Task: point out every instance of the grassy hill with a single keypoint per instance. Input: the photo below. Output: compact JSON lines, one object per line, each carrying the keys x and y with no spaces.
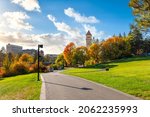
{"x":22,"y":87}
{"x":131,"y":75}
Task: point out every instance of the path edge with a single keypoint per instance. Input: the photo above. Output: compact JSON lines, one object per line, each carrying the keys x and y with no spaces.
{"x":43,"y":89}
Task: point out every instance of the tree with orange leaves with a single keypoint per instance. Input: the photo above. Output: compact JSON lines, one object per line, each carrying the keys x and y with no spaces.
{"x":26,"y":58}
{"x":94,"y":52}
{"x":114,"y":48}
{"x":68,"y":53}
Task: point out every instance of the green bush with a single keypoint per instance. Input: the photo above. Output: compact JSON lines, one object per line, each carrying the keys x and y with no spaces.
{"x":55,"y":66}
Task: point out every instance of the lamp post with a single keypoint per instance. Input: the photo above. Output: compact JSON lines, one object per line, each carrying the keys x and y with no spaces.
{"x":39,"y":46}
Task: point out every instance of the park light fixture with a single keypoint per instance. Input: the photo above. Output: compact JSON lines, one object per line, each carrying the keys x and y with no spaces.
{"x":39,"y":46}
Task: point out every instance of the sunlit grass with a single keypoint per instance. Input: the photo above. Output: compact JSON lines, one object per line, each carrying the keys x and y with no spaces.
{"x":22,"y":87}
{"x":131,"y":76}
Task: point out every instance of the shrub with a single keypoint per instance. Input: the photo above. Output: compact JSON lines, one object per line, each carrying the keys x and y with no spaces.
{"x":6,"y":73}
{"x":34,"y":68}
{"x":26,"y":58}
{"x":89,"y":62}
{"x":20,"y":68}
{"x":43,"y":68}
{"x":31,"y":69}
{"x":55,"y":67}
{"x":2,"y":72}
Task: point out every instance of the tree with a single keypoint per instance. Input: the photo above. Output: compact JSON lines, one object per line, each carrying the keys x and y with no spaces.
{"x":26,"y":58}
{"x":114,"y":48}
{"x":120,"y":35}
{"x":60,"y":61}
{"x":94,"y":52}
{"x":124,"y":35}
{"x":47,"y":58}
{"x":2,"y":55}
{"x":141,"y":10}
{"x":7,"y":62}
{"x":68,"y":53}
{"x":80,"y":55}
{"x":136,"y":40}
{"x":35,"y":57}
{"x":147,"y":45}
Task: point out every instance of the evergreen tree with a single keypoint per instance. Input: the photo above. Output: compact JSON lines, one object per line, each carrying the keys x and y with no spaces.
{"x":136,"y":40}
{"x":120,"y":35}
{"x":124,"y":35}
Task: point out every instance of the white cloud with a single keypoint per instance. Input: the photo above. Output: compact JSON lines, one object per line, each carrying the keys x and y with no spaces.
{"x":93,"y":30}
{"x":79,"y":18}
{"x":16,"y":20}
{"x":72,"y":32}
{"x":53,"y":43}
{"x":29,"y":5}
{"x":51,"y":18}
{"x":16,"y":37}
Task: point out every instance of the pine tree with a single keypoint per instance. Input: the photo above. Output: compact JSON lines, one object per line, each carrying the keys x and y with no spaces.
{"x":136,"y":40}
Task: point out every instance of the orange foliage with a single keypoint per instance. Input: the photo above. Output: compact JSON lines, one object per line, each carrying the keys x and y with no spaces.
{"x":94,"y":52}
{"x":26,"y":58}
{"x":115,"y":47}
{"x":2,"y":73}
{"x":68,"y":53}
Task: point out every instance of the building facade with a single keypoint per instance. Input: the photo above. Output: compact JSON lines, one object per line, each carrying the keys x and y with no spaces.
{"x":15,"y":49}
{"x":31,"y":52}
{"x":51,"y":58}
{"x":88,"y":39}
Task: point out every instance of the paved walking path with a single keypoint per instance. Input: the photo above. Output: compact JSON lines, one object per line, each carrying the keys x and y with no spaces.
{"x":56,"y":86}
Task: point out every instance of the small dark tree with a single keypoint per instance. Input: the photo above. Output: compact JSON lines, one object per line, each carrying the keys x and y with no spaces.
{"x":120,"y":35}
{"x":147,"y":45}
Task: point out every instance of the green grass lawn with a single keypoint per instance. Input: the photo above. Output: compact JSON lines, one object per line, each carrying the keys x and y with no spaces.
{"x":131,"y":75}
{"x":22,"y":87}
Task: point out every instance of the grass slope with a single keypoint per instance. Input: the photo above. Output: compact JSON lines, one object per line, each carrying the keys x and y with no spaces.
{"x":22,"y":87}
{"x":131,"y":76}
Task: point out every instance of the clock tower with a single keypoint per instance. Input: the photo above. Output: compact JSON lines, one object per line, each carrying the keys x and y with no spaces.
{"x":88,"y":39}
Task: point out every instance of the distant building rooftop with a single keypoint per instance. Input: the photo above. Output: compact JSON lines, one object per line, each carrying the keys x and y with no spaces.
{"x":13,"y":48}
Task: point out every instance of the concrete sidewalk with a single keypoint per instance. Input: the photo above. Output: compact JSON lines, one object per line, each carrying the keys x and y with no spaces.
{"x":56,"y":86}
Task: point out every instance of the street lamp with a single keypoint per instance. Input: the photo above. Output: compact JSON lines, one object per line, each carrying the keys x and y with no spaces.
{"x":39,"y":46}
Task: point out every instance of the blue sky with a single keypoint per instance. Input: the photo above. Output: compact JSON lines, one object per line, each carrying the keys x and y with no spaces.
{"x":54,"y":23}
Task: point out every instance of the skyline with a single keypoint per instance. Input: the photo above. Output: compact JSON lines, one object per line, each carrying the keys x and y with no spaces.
{"x":56,"y":23}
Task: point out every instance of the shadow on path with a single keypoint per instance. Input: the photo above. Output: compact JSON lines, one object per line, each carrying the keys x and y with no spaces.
{"x":83,"y":88}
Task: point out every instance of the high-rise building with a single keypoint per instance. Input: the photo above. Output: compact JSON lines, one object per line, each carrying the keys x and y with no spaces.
{"x":15,"y":49}
{"x":88,"y":39}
